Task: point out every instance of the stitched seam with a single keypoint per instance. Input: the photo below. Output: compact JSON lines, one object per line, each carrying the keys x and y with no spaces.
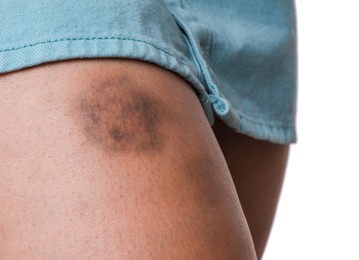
{"x":271,"y":125}
{"x":208,"y":32}
{"x":88,"y":39}
{"x":179,"y":59}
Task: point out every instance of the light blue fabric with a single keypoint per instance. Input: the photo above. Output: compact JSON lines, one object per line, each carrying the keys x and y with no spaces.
{"x":239,"y":55}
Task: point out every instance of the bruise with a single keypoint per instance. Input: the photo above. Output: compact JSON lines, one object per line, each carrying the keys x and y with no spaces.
{"x":118,"y":117}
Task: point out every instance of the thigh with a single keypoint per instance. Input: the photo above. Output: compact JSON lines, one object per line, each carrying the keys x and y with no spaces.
{"x":109,"y":159}
{"x":257,"y":168}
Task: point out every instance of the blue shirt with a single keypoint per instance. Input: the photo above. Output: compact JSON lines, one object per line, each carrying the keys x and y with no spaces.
{"x":239,"y":55}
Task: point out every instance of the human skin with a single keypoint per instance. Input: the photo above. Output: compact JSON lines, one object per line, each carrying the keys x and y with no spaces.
{"x":113,"y":159}
{"x":257,"y":168}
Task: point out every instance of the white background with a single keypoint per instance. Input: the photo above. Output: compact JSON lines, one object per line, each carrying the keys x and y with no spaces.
{"x":318,"y":214}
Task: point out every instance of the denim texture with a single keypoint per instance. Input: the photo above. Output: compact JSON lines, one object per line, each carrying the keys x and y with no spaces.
{"x":239,"y":55}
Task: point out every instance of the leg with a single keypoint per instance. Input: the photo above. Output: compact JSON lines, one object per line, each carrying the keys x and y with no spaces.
{"x":257,"y":169}
{"x":112,"y":159}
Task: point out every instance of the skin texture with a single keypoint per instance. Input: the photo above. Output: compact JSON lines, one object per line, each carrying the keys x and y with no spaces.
{"x":257,"y":168}
{"x":120,"y":120}
{"x":112,"y":159}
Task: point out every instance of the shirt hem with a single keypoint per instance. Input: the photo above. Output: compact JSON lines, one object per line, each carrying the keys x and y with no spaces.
{"x":29,"y":55}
